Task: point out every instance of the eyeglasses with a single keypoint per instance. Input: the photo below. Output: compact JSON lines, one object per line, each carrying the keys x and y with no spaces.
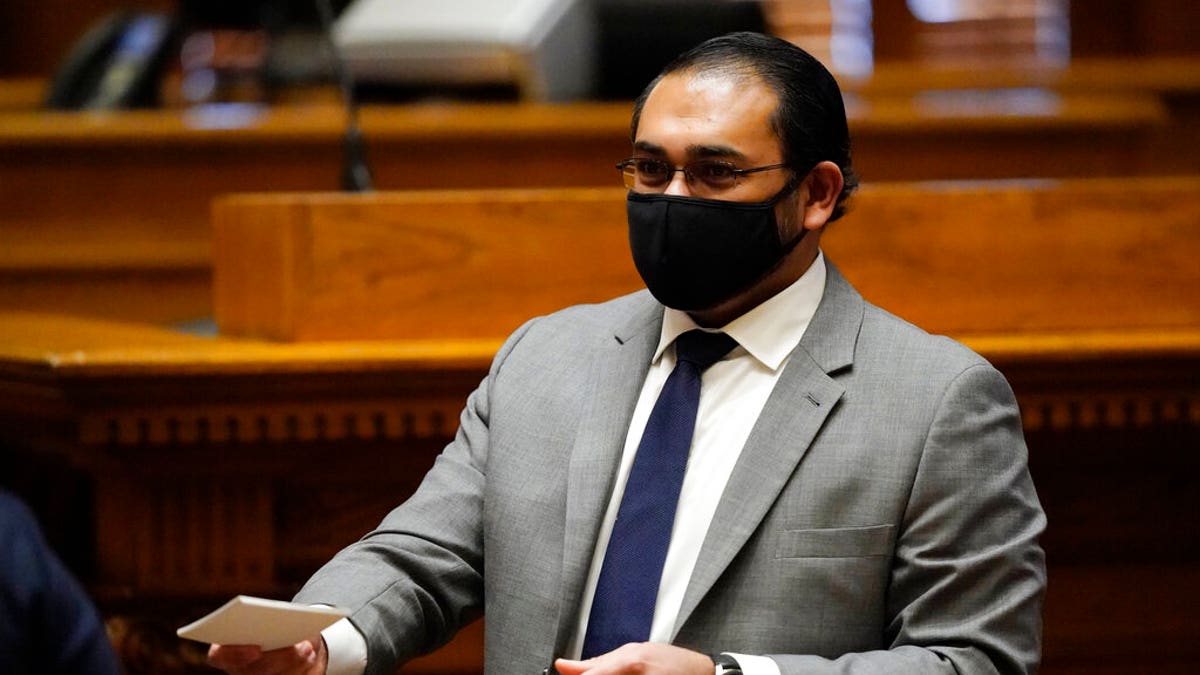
{"x":645,"y":173}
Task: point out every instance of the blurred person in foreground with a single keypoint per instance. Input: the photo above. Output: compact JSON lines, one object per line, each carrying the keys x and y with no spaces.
{"x":47,"y":622}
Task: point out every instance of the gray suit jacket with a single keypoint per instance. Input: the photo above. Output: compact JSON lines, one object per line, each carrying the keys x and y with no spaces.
{"x":881,"y":517}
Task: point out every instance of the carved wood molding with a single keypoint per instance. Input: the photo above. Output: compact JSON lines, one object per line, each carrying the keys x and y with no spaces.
{"x":205,"y":535}
{"x":1093,"y":410}
{"x":436,"y":417}
{"x":398,"y":419}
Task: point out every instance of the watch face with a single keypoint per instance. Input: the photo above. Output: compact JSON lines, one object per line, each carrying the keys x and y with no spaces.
{"x":726,"y":665}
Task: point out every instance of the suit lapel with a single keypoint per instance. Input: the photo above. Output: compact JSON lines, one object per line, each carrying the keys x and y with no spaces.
{"x":803,"y":398}
{"x":617,"y":373}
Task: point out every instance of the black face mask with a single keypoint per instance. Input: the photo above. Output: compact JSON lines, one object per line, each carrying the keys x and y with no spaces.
{"x":696,"y":253}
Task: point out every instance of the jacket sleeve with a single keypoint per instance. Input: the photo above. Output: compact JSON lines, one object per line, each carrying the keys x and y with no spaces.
{"x":418,"y":577}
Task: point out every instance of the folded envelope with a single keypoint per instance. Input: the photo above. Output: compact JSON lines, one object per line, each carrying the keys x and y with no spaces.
{"x":270,"y":624}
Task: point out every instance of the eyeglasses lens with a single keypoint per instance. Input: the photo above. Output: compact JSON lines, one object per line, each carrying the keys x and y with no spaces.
{"x":656,"y":174}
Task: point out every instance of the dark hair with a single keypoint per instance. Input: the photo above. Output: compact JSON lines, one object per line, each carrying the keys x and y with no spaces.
{"x":810,"y":121}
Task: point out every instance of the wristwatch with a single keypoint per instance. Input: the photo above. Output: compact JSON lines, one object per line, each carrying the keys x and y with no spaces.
{"x":726,"y":665}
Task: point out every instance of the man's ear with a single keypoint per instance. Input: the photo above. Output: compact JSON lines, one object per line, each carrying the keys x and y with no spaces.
{"x":819,"y":194}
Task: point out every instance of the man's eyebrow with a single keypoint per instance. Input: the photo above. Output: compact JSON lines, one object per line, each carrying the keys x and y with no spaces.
{"x":703,"y":151}
{"x":722,"y":151}
{"x":649,"y":148}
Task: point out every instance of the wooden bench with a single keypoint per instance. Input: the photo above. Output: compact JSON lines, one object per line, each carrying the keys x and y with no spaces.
{"x":100,"y":210}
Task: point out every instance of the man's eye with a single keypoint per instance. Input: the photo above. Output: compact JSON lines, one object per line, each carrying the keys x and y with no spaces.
{"x":715,"y":171}
{"x":649,"y":167}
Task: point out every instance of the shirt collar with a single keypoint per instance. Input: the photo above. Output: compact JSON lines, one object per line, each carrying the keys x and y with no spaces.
{"x":770,"y":331}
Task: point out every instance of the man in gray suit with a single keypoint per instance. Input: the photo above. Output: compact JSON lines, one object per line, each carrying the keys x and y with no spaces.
{"x":856,"y":496}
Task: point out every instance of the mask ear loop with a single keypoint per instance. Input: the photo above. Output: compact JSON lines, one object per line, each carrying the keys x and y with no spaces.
{"x":790,"y":187}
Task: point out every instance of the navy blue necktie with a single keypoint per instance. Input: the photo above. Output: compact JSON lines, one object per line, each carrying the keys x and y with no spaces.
{"x":623,"y":605}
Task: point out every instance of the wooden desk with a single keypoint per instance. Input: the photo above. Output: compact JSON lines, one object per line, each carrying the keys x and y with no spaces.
{"x":1160,"y":75}
{"x":222,"y":466}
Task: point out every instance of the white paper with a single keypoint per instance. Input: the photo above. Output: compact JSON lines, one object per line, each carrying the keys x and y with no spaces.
{"x":270,"y":624}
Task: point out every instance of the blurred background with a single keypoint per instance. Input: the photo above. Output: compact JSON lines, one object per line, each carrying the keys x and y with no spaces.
{"x":852,"y":36}
{"x":175,"y":449}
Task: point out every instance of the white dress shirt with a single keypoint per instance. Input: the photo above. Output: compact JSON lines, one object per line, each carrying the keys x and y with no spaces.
{"x":732,"y":395}
{"x":733,"y":392}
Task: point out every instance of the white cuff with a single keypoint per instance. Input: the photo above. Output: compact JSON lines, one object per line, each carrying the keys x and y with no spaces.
{"x":755,"y":665}
{"x":347,"y":649}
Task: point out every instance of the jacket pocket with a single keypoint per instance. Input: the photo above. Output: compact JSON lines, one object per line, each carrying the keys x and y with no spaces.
{"x":837,"y":542}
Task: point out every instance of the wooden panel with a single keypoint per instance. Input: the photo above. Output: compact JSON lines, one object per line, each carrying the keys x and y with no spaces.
{"x":423,"y":265}
{"x":963,"y":259}
{"x":1028,"y":257}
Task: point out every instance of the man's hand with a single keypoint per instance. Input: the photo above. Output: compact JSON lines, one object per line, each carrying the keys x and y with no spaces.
{"x":644,"y":658}
{"x":304,"y":658}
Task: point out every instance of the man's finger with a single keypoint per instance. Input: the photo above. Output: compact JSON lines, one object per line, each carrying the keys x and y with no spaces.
{"x":232,"y":656}
{"x":252,"y":660}
{"x":570,"y":667}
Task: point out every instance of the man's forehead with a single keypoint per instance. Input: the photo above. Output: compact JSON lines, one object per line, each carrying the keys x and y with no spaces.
{"x":724,"y":107}
{"x":719,"y":80}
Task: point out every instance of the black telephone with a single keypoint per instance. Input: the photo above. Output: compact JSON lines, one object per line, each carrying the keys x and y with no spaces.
{"x":118,"y":63}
